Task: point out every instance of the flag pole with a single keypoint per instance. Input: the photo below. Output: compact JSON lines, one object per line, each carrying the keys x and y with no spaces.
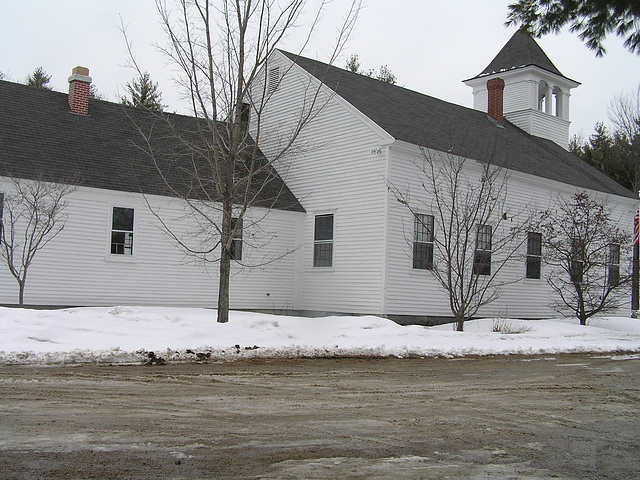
{"x":635,"y":280}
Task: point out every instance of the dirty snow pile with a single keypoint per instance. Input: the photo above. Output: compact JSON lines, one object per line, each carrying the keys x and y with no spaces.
{"x":128,"y":334}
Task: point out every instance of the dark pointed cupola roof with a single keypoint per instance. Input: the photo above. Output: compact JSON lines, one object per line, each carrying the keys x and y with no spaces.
{"x":520,"y":51}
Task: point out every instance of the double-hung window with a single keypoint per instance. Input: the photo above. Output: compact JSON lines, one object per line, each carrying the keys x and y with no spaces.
{"x":613,"y":266}
{"x":534,"y":254}
{"x":482,"y":257}
{"x":122,"y":231}
{"x":323,"y":241}
{"x":236,"y":243}
{"x":423,"y":241}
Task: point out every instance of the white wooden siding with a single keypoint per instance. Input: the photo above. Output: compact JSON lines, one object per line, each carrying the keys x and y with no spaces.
{"x":76,"y":268}
{"x":542,"y":125}
{"x":339,"y":167}
{"x":416,"y":292}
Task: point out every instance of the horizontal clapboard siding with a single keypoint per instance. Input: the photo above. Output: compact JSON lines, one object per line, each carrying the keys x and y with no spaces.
{"x":413,"y":292}
{"x":338,"y":168}
{"x":76,"y":268}
{"x":542,"y":125}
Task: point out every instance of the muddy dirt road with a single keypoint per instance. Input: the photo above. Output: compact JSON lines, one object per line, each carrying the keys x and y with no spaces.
{"x":564,"y":417}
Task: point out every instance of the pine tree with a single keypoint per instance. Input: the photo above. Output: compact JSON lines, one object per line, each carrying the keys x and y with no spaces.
{"x":143,"y":93}
{"x":39,"y":78}
{"x":593,"y":19}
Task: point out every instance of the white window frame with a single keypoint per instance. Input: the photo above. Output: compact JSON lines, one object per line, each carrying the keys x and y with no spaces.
{"x":111,"y":230}
{"x":536,"y":257}
{"x":319,"y":242}
{"x":418,"y":226}
{"x":613,"y":260}
{"x":480,"y":234}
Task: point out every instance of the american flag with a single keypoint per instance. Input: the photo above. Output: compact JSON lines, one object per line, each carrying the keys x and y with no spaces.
{"x":636,"y":228}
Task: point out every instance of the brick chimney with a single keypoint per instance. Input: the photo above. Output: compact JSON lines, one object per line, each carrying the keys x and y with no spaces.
{"x":79,"y":84}
{"x":495,"y":88}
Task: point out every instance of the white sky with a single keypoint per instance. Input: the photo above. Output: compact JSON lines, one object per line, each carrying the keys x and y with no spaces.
{"x":430,"y":45}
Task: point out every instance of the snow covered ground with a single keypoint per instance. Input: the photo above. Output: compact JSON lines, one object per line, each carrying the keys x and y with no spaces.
{"x":126,"y":334}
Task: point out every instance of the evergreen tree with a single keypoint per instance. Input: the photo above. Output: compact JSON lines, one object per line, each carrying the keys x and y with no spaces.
{"x":143,"y":93}
{"x":93,"y":93}
{"x":593,"y":19}
{"x":39,"y":78}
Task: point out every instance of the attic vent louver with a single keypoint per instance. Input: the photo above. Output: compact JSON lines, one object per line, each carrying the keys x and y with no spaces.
{"x":274,"y":78}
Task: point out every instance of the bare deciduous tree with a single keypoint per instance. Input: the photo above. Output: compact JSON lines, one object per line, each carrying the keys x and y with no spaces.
{"x":474,"y":231}
{"x":586,"y":256}
{"x":31,"y":215}
{"x":221,"y":50}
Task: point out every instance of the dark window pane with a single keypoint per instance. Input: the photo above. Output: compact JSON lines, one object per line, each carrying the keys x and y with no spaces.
{"x":575,"y":269}
{"x":423,"y":228}
{"x":236,"y":249}
{"x":533,"y":267}
{"x":122,"y":219}
{"x":322,"y":254}
{"x":534,"y":255}
{"x":534,"y":244}
{"x":614,"y":265}
{"x":614,"y":275}
{"x":245,"y":114}
{"x":423,"y":241}
{"x":614,"y":254}
{"x":324,"y":227}
{"x":423,"y":256}
{"x":482,"y":263}
{"x":121,"y":243}
{"x":483,"y":242}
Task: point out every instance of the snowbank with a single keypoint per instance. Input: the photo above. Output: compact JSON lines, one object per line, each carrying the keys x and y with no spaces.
{"x":127,"y":334}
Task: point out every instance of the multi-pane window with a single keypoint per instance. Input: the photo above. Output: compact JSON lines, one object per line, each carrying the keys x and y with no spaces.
{"x":323,"y":241}
{"x":122,"y":231}
{"x":534,"y":254}
{"x":482,"y":257}
{"x":613,"y":276}
{"x":423,"y":241}
{"x":236,"y":243}
{"x":576,"y":262}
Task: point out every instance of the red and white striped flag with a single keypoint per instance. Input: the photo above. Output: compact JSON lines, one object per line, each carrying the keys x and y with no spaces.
{"x":636,"y":228}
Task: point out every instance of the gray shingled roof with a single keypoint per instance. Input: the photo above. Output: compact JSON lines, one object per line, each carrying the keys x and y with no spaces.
{"x":40,"y":138}
{"x":426,"y":121}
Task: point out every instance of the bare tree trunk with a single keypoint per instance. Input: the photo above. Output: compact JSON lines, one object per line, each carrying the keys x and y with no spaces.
{"x":21,"y":293}
{"x":223,"y":289}
{"x":225,"y":262}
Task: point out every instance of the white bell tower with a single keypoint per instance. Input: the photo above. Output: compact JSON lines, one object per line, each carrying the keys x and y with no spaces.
{"x":536,"y":94}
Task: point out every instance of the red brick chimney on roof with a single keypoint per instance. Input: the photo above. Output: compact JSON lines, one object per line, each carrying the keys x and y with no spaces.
{"x":79,"y":86}
{"x":495,"y":88}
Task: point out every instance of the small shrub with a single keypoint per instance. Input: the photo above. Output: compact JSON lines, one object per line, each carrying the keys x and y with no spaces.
{"x":504,"y":326}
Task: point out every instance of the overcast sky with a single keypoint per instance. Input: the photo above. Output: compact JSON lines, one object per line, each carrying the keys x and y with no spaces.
{"x":430,"y":45}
